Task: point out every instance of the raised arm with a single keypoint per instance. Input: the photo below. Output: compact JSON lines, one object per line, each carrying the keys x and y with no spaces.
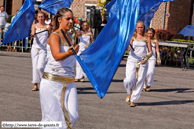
{"x":32,"y":30}
{"x":6,"y":17}
{"x":54,"y":41}
{"x":77,"y":33}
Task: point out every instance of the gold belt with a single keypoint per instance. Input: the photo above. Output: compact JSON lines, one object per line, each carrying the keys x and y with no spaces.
{"x":64,"y":80}
{"x":137,"y":69}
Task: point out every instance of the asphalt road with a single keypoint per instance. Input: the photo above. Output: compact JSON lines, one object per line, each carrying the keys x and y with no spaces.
{"x":169,"y":104}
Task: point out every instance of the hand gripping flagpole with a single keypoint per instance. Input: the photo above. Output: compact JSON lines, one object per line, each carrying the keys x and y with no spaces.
{"x":32,"y":40}
{"x":83,"y":65}
{"x":68,"y":41}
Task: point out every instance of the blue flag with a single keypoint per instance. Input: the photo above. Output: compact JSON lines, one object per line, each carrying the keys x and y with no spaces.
{"x":21,"y":25}
{"x":102,"y":58}
{"x":52,"y":6}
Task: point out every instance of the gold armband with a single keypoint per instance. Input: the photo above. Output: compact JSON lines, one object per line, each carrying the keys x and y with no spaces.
{"x":147,"y":57}
{"x":158,"y":57}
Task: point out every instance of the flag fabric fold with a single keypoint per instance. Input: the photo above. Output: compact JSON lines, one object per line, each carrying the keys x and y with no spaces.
{"x":52,"y":6}
{"x":21,"y":25}
{"x":102,"y":58}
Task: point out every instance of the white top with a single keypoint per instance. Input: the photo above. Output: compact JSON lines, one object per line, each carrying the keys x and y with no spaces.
{"x":12,"y":19}
{"x":48,"y":22}
{"x":84,"y":40}
{"x":40,"y":40}
{"x":140,"y":49}
{"x":3,"y":17}
{"x":153,"y":50}
{"x":62,"y":68}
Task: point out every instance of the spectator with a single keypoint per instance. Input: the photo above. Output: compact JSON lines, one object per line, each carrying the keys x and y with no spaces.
{"x":178,"y":58}
{"x":3,"y":18}
{"x":184,"y":57}
{"x":47,"y":20}
{"x":164,"y":55}
{"x":171,"y":57}
{"x":14,"y":16}
{"x":16,"y":42}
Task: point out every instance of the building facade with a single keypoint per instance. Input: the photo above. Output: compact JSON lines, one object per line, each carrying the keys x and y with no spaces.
{"x":11,"y":6}
{"x":180,"y":12}
{"x":174,"y":15}
{"x":81,"y":8}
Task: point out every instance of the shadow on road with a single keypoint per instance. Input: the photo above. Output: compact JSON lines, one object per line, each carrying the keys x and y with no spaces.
{"x":170,"y":66}
{"x":90,"y":90}
{"x":122,"y":65}
{"x":18,"y":56}
{"x":178,"y":90}
{"x":173,"y":102}
{"x":114,"y":80}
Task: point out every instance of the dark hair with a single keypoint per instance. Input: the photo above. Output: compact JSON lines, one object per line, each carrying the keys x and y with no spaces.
{"x":17,"y":10}
{"x":152,"y":30}
{"x":46,"y":15}
{"x":84,"y":22}
{"x":93,"y":7}
{"x":59,"y":13}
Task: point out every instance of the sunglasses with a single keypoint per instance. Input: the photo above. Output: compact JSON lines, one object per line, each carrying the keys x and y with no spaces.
{"x":69,"y":19}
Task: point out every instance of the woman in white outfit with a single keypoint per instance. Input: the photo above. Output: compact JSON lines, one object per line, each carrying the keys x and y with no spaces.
{"x":58,"y":93}
{"x":86,"y":38}
{"x":152,"y":61}
{"x":137,"y":65}
{"x":38,"y":51}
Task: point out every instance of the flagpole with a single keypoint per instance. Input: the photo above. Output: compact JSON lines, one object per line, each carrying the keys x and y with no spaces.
{"x":5,"y":5}
{"x":68,"y":41}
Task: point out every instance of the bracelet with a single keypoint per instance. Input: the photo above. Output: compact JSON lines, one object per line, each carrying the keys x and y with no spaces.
{"x":158,"y":57}
{"x":147,"y":57}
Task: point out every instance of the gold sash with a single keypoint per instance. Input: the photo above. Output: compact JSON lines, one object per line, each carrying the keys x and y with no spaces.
{"x":137,"y":69}
{"x":64,"y":80}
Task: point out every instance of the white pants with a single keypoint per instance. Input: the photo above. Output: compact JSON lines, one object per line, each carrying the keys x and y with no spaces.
{"x":150,"y":73}
{"x":50,"y":98}
{"x":38,"y":64}
{"x":79,"y":71}
{"x":130,"y":79}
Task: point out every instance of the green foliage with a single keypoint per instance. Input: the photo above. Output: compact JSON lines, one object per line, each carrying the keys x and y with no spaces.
{"x":9,"y":19}
{"x":183,"y":40}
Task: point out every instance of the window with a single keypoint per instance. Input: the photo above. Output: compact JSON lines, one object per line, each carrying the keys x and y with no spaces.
{"x":87,"y":10}
{"x":8,"y":6}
